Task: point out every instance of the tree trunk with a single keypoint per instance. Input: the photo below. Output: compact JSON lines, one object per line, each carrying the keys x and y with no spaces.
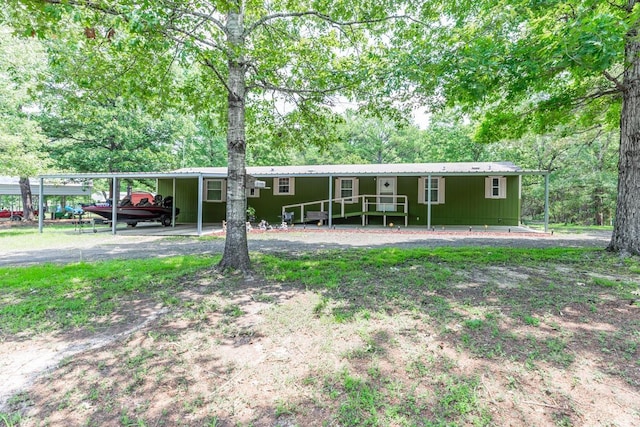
{"x":598,"y":205}
{"x":27,"y":199}
{"x":236,"y":251}
{"x":626,"y":231}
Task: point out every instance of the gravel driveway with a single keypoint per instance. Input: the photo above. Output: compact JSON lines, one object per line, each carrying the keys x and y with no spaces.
{"x":92,"y":247}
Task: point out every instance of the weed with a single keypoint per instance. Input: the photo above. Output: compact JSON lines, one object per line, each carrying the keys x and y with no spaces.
{"x":530,"y":320}
{"x":459,"y":404}
{"x":10,"y":420}
{"x":284,"y":408}
{"x":233,"y":310}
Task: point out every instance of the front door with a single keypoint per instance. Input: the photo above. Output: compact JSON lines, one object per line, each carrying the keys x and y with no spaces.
{"x":386,"y":188}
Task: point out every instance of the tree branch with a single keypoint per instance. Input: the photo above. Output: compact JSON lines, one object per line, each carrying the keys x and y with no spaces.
{"x":88,"y":4}
{"x":220,"y":77}
{"x":205,"y":17}
{"x":188,"y":34}
{"x":268,"y":86}
{"x":317,"y":14}
{"x":621,"y":87}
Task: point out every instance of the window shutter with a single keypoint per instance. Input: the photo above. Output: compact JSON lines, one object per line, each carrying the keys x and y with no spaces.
{"x":421,"y":189}
{"x":337,"y":191}
{"x":503,"y":187}
{"x":356,"y":189}
{"x":487,"y":188}
{"x":441,"y":190}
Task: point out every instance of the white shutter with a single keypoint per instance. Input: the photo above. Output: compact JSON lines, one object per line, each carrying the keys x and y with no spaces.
{"x":503,"y":187}
{"x":421,"y":189}
{"x":487,"y":188}
{"x":441,"y":190}
{"x":356,"y":189}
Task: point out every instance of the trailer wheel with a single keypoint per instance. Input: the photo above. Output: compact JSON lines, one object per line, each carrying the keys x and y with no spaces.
{"x":16,"y":218}
{"x":165,"y":220}
{"x":132,"y":224}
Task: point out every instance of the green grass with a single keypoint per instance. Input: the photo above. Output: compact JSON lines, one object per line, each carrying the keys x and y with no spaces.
{"x":47,"y":297}
{"x":437,"y":290}
{"x":421,"y":279}
{"x":373,"y":399}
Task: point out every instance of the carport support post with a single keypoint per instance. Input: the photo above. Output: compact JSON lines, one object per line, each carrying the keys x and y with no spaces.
{"x":199,"y":219}
{"x":41,"y":206}
{"x":115,"y":196}
{"x":429,"y":202}
{"x":546,"y":202}
{"x":173,"y":206}
{"x":330,"y":201}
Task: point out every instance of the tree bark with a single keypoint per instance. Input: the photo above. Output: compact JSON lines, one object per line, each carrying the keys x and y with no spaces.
{"x":236,"y":251}
{"x":626,"y":232}
{"x":27,"y":199}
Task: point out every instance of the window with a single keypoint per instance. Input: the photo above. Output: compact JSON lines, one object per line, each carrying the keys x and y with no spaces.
{"x":215,"y":190}
{"x":253,"y":192}
{"x":347,"y":188}
{"x":495,"y":187}
{"x":283,"y":186}
{"x":437,"y":190}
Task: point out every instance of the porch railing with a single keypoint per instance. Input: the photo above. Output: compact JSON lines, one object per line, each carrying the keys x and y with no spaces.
{"x":370,"y":205}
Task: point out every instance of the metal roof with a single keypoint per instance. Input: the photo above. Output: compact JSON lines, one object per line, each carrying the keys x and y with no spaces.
{"x":10,"y":186}
{"x":395,"y":169}
{"x":408,"y":169}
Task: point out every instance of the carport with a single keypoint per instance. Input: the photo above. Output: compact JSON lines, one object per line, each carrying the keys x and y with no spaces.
{"x":117,"y":178}
{"x":10,"y":186}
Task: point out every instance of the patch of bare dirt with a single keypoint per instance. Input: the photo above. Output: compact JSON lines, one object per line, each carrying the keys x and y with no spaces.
{"x":253,"y":353}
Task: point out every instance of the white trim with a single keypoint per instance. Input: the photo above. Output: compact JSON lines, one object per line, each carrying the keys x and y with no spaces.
{"x":495,"y":187}
{"x":440,"y":188}
{"x":291,"y":184}
{"x":355,"y":184}
{"x":223,"y":190}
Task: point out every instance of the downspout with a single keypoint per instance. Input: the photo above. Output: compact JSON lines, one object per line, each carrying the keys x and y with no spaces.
{"x":115,"y":198}
{"x":199,"y":218}
{"x":429,"y":202}
{"x":330,"y":201}
{"x":41,"y":206}
{"x":546,"y":202}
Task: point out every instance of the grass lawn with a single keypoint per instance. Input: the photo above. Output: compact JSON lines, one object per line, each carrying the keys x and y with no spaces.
{"x":384,"y":337}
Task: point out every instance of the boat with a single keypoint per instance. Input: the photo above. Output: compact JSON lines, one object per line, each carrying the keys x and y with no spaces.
{"x":160,"y":210}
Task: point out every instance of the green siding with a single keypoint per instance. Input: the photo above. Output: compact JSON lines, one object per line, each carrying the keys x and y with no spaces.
{"x":465,"y":203}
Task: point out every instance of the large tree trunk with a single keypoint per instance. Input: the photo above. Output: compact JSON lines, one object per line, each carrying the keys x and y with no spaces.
{"x":27,"y":199}
{"x":236,"y":251}
{"x":626,"y":231}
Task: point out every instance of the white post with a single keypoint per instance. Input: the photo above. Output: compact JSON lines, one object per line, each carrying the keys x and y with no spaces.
{"x":115,"y":197}
{"x":173,"y":205}
{"x":429,"y":202}
{"x":330,"y":201}
{"x":200,"y":196}
{"x":41,"y":206}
